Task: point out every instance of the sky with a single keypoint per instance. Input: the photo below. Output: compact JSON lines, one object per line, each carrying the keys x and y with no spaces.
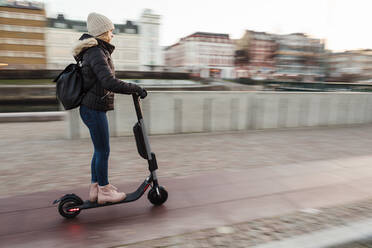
{"x":344,"y":24}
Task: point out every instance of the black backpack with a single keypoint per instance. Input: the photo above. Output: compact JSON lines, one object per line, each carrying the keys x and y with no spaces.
{"x":69,"y":86}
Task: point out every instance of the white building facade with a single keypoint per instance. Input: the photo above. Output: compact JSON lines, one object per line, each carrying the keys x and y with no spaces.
{"x":62,"y":34}
{"x":151,"y":53}
{"x":203,"y":54}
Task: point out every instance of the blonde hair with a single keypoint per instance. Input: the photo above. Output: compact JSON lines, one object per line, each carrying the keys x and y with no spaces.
{"x":105,"y":36}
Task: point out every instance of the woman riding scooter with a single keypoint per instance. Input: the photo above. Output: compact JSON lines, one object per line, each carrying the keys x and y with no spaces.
{"x":100,"y":82}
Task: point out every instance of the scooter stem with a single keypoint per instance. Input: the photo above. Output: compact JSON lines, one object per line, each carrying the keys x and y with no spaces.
{"x":136,"y":101}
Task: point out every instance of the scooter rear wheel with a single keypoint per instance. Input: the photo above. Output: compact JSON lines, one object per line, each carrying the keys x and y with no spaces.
{"x":157,"y":199}
{"x":68,"y":203}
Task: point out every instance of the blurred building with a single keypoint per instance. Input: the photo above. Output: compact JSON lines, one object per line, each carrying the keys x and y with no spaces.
{"x":22,"y":39}
{"x":254,"y":55}
{"x":299,"y":58}
{"x":61,"y":35}
{"x":350,"y":66}
{"x":203,"y":54}
{"x":150,"y":50}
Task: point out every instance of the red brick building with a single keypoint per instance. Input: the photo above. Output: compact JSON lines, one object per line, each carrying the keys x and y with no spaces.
{"x":254,"y":57}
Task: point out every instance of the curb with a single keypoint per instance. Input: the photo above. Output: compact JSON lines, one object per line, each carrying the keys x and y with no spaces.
{"x":32,"y":116}
{"x":332,"y":237}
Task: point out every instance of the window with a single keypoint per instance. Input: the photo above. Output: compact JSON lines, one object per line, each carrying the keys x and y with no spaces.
{"x":130,"y":31}
{"x":25,"y":16}
{"x":22,"y":41}
{"x":22,"y":54}
{"x":15,"y":28}
{"x":78,"y":28}
{"x":60,"y":25}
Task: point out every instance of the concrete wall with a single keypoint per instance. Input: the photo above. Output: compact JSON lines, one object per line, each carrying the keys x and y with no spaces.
{"x":185,"y":112}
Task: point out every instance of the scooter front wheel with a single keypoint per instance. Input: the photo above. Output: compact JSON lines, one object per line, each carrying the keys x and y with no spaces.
{"x":65,"y":207}
{"x":157,"y":197}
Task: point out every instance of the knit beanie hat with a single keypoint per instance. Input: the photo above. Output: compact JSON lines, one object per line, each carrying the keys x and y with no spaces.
{"x":98,"y":24}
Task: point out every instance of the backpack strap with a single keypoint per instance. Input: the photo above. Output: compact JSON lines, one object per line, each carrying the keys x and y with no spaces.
{"x":79,"y":62}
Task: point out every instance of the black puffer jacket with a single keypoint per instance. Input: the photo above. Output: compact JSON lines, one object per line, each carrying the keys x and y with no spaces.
{"x":98,"y":71}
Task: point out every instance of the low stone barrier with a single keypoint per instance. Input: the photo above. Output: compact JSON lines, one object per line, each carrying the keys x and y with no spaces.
{"x":209,"y":111}
{"x":32,"y":116}
{"x":27,"y":92}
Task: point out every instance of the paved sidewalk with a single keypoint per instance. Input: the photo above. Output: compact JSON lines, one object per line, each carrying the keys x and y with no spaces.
{"x":36,"y":156}
{"x":218,"y":183}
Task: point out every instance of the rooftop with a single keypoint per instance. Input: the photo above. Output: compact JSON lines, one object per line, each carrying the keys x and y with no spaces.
{"x":209,"y":34}
{"x":81,"y":26}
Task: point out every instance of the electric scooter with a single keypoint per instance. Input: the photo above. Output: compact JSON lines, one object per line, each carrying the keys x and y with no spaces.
{"x":70,"y":205}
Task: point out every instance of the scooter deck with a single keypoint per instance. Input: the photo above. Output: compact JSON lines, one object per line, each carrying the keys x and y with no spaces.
{"x":130,"y":197}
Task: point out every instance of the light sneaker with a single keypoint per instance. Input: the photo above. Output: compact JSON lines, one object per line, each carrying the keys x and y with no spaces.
{"x":113,"y":187}
{"x":108,"y":193}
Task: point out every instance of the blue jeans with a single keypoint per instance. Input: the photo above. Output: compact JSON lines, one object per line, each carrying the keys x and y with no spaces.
{"x":97,"y":123}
